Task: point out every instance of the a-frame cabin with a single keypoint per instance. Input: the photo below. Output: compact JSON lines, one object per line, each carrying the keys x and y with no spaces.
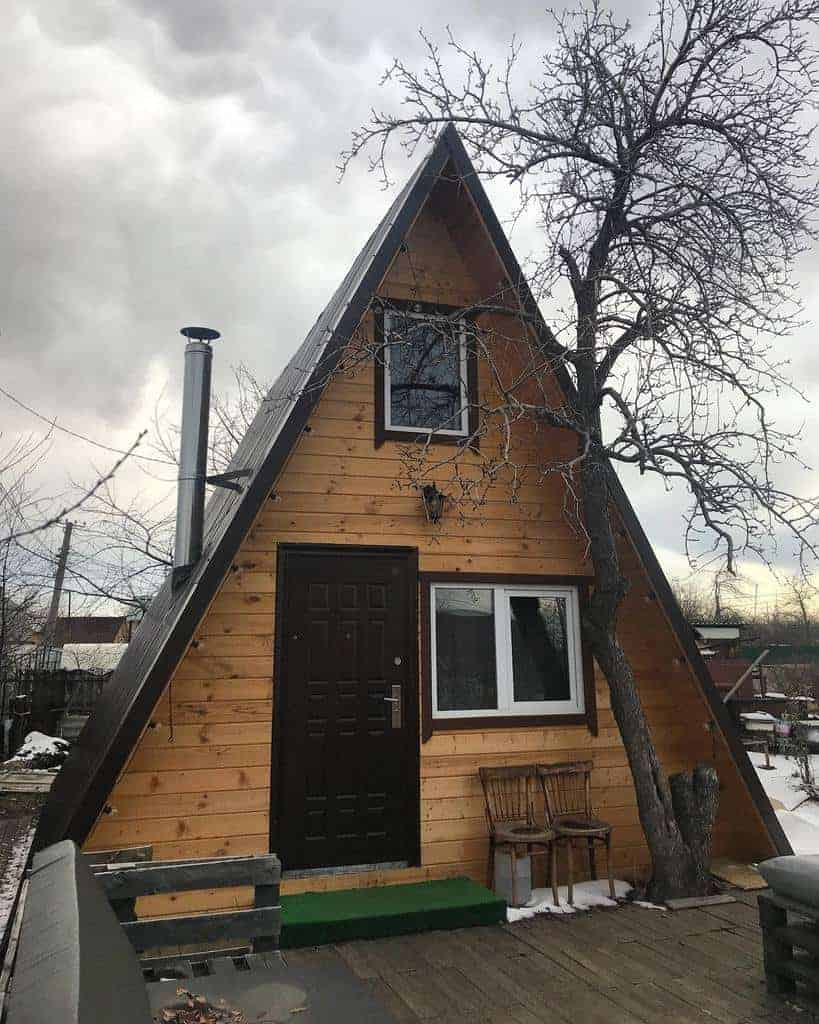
{"x":249,"y":712}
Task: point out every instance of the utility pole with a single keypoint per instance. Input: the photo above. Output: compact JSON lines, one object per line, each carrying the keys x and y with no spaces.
{"x":54,"y":610}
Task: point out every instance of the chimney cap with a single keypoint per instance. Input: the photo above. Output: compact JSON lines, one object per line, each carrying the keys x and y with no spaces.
{"x":200,"y":333}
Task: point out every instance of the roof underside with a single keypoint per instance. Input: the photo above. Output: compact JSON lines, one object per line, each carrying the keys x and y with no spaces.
{"x":168,"y":627}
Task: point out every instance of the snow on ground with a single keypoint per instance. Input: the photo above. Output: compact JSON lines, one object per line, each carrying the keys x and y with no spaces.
{"x":39,"y":751}
{"x":801,"y":829}
{"x":798,"y":816}
{"x":782,"y":782}
{"x":16,"y":837}
{"x":586,"y":896}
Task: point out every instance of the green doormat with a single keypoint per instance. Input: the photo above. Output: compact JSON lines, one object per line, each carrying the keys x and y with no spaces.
{"x":317,"y":918}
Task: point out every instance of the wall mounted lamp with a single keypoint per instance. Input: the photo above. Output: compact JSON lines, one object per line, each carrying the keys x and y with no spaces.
{"x":434,"y":502}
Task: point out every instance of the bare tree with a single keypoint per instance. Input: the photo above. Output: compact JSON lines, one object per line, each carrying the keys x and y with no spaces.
{"x":671,"y":175}
{"x":694,"y":603}
{"x":124,"y":544}
{"x":21,"y":594}
{"x":728,"y":589}
{"x":801,"y":595}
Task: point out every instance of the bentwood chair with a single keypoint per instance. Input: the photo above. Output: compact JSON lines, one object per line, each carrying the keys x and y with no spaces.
{"x":567,"y":792}
{"x":509,"y":794}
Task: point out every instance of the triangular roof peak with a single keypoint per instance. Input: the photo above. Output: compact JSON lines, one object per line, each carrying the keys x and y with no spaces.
{"x":167,"y":629}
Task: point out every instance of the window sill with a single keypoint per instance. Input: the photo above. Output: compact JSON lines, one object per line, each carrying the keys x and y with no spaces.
{"x":509,"y":722}
{"x":419,"y":436}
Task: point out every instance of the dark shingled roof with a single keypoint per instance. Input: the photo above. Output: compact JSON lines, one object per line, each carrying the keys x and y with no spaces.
{"x":129,"y":698}
{"x":87,"y":629}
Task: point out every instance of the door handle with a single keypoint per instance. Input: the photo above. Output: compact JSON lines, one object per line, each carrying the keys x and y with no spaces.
{"x":395,"y":701}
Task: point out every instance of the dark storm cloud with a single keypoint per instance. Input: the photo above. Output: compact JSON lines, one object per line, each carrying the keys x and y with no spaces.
{"x":177,"y":160}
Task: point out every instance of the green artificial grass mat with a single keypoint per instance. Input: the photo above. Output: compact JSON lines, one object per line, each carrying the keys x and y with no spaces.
{"x":318,"y":918}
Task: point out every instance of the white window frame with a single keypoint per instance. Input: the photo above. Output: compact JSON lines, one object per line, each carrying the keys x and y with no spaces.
{"x":462,"y":373}
{"x":507,"y":706}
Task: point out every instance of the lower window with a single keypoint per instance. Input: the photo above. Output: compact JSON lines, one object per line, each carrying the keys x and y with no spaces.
{"x":505,"y":650}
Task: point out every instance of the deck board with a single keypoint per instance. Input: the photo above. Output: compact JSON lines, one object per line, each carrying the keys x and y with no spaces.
{"x":629,"y":966}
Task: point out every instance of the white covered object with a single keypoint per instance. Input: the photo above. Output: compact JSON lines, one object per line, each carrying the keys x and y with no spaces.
{"x":92,"y":657}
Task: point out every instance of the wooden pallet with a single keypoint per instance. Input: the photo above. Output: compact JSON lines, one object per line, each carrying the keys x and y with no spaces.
{"x":790,"y":943}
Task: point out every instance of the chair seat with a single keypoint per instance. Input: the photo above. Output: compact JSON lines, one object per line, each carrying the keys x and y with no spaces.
{"x":522,"y":834}
{"x":579,"y":825}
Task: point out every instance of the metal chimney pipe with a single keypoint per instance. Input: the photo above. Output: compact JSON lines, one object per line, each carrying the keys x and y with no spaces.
{"x":193,"y":447}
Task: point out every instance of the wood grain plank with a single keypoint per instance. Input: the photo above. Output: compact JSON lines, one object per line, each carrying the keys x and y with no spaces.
{"x":112,"y":832}
{"x":185,"y":805}
{"x":212,"y":755}
{"x":211,"y":780}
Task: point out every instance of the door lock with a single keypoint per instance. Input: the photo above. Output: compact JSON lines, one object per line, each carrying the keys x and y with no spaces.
{"x":395,"y":701}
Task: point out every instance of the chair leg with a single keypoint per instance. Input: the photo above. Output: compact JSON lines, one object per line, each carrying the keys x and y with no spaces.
{"x":490,"y":868}
{"x":608,"y":866}
{"x":570,"y":870}
{"x":553,"y":872}
{"x":513,"y":856}
{"x":592,"y":866}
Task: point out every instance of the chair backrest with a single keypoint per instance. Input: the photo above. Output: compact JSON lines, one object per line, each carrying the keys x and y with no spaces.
{"x":566,"y":787}
{"x":509,"y":793}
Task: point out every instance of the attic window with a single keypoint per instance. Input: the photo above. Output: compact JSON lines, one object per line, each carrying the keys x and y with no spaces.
{"x":424,"y":376}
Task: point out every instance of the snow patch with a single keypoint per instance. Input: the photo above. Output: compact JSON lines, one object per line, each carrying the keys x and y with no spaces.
{"x":798,"y":815}
{"x":781,"y":781}
{"x":98,"y":658}
{"x":11,"y":875}
{"x":39,"y":751}
{"x":647,"y":905}
{"x":586,"y":896}
{"x":801,"y":829}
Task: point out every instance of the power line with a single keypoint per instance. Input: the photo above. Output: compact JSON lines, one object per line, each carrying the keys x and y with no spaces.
{"x":81,"y":437}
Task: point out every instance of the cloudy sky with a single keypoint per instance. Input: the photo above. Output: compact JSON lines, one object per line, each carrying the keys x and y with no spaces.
{"x":173,"y":161}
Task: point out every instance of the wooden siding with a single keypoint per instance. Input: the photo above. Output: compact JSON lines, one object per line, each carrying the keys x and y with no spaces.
{"x":198,"y":782}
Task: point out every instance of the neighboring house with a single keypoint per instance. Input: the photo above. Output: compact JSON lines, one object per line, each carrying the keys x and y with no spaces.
{"x":327,"y":680}
{"x":727,"y":671}
{"x":717,"y":639}
{"x":89,"y":629}
{"x":60,"y":686}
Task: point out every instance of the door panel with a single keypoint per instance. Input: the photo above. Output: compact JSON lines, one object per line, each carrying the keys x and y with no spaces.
{"x":348,"y":767}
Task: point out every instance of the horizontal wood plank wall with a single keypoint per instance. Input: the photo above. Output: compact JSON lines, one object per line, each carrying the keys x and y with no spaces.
{"x":198,"y":783}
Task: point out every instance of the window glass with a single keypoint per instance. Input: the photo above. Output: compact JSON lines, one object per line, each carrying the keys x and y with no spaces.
{"x":424,"y":374}
{"x":465,"y":649}
{"x":505,"y":650}
{"x":540,"y":656}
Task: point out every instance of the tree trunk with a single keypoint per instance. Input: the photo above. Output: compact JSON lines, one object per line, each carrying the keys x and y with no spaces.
{"x":695,"y":797}
{"x":676,"y":822}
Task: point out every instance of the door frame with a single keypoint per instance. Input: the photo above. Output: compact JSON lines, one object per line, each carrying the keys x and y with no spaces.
{"x":284,"y":552}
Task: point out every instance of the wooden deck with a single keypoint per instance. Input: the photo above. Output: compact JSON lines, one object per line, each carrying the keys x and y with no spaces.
{"x":627,"y":966}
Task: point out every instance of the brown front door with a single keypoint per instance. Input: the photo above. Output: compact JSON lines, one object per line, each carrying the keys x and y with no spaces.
{"x":347,"y":709}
